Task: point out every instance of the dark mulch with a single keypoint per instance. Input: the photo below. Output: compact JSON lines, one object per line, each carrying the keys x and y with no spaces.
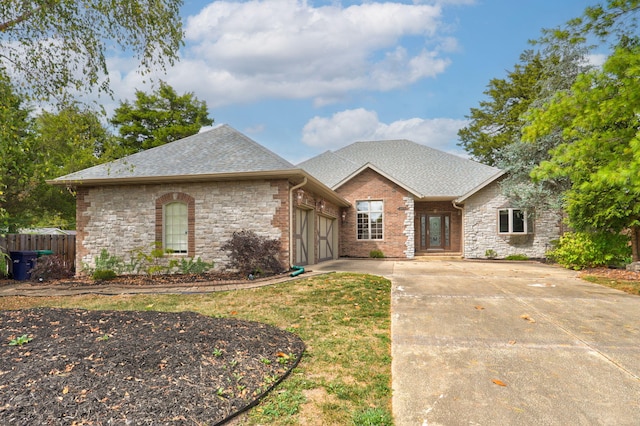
{"x":140,"y":368}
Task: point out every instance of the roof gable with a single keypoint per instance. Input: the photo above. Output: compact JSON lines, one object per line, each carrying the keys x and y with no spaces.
{"x":221,"y":150}
{"x":424,"y":171}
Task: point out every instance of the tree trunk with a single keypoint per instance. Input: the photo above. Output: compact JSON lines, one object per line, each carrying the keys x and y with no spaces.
{"x":635,"y":243}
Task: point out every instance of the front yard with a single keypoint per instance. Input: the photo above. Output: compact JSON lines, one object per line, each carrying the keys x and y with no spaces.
{"x":344,"y":376}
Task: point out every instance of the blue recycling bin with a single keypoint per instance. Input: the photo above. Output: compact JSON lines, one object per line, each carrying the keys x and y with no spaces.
{"x":23,"y":262}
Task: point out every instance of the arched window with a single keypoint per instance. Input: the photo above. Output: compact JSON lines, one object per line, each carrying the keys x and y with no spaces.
{"x":175,"y":226}
{"x":175,"y":223}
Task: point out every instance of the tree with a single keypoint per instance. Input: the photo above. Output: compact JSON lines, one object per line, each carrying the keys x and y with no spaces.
{"x":496,"y":123}
{"x":51,"y":46}
{"x":156,"y":119}
{"x":18,"y":156}
{"x":562,"y":63}
{"x":69,"y":140}
{"x":601,"y":149}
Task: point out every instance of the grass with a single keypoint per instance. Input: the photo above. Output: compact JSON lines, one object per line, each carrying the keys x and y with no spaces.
{"x":344,"y":377}
{"x":631,"y":287}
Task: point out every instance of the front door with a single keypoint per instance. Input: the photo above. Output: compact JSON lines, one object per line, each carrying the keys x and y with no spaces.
{"x":434,"y":231}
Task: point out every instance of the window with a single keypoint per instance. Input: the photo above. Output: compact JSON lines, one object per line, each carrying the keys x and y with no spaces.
{"x":175,"y":227}
{"x":514,"y":221}
{"x":369,"y":220}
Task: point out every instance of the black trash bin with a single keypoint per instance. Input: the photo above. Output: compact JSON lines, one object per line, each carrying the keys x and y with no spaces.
{"x":23,"y":262}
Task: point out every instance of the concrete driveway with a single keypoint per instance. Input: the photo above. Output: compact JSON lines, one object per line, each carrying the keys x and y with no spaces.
{"x":508,"y":343}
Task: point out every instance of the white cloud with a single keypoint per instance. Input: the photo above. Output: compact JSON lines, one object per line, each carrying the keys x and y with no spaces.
{"x":290,"y":49}
{"x":345,"y":127}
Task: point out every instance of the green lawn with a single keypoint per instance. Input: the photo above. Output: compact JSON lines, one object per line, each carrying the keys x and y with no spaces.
{"x":345,"y":375}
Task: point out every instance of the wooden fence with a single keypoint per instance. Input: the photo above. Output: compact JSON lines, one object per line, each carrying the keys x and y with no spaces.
{"x":62,"y":245}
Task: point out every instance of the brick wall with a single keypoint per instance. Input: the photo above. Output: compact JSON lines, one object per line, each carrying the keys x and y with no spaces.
{"x":481,"y":228}
{"x":398,"y":225}
{"x":121,"y":218}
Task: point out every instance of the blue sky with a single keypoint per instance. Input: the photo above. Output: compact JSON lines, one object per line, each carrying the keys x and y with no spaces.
{"x":305,"y":77}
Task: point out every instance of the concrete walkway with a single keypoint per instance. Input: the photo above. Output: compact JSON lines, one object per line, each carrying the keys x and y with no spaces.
{"x":508,"y":343}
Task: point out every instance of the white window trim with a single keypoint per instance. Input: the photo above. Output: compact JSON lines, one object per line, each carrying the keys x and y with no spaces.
{"x":510,"y":218}
{"x":165,"y":243}
{"x":369,"y":224}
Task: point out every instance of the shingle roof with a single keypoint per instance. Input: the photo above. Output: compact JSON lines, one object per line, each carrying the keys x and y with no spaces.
{"x":424,"y":171}
{"x":220,"y":150}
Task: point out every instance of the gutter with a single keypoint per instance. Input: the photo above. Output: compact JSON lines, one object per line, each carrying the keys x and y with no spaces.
{"x":293,"y":188}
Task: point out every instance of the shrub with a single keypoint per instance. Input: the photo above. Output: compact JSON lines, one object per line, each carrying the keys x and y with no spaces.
{"x":190,"y":266}
{"x":106,"y":261}
{"x":51,"y":267}
{"x":376,"y":254}
{"x":517,"y":257}
{"x":490,"y":254}
{"x":252,"y":254}
{"x":579,"y":250}
{"x":4,"y":264}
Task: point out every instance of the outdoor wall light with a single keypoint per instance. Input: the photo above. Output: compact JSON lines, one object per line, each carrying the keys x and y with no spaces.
{"x":344,"y":216}
{"x":299,"y":196}
{"x":321,"y":205}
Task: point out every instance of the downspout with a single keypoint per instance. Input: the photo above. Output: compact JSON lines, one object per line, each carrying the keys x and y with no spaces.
{"x":300,"y":185}
{"x":461,"y":209}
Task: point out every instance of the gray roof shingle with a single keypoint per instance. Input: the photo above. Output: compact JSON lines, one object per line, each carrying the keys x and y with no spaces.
{"x":425,"y":171}
{"x":220,"y":150}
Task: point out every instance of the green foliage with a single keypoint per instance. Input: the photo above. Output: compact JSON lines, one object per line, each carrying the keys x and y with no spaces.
{"x":581,"y":250}
{"x":107,"y":262}
{"x":517,"y":257}
{"x":251,"y":254}
{"x":373,"y":417}
{"x":104,"y":274}
{"x":490,"y":254}
{"x":151,"y":262}
{"x":376,"y":254}
{"x":156,"y":119}
{"x":601,"y":150}
{"x":496,"y":122}
{"x":85,"y":31}
{"x":4,"y":264}
{"x":51,"y":267}
{"x":18,"y":157}
{"x":19,"y":341}
{"x":190,"y":266}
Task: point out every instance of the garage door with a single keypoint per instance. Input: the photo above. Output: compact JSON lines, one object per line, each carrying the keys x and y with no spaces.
{"x":301,"y":237}
{"x":325,"y":238}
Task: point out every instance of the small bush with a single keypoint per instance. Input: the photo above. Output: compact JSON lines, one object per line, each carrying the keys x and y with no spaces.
{"x":579,"y":250}
{"x":490,"y":254}
{"x":4,"y":264}
{"x":51,"y":267}
{"x":252,"y":254}
{"x":190,"y":266}
{"x":106,"y":261}
{"x":517,"y":257}
{"x":376,"y":254}
{"x":103,"y":275}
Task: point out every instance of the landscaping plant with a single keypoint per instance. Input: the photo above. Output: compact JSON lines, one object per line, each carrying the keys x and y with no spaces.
{"x":51,"y":267}
{"x":252,"y":254}
{"x":579,"y":250}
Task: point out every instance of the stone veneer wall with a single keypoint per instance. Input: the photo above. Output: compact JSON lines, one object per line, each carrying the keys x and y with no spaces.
{"x":398,"y":234}
{"x":481,"y":228}
{"x":122,"y":218}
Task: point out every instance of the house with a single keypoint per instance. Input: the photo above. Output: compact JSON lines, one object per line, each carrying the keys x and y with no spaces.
{"x":408,"y":199}
{"x":399,"y":197}
{"x":192,"y":194}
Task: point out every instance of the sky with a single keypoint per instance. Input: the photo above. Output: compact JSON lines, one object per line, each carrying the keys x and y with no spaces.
{"x":304,"y":77}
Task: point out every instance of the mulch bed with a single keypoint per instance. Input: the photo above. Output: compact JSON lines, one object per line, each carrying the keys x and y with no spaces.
{"x":136,"y":368}
{"x":218,"y":277}
{"x":612,"y":274}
